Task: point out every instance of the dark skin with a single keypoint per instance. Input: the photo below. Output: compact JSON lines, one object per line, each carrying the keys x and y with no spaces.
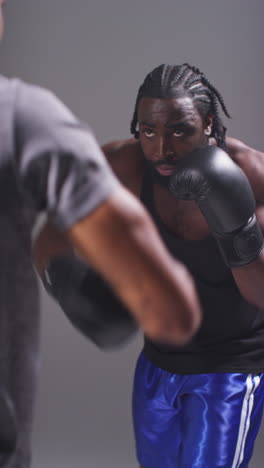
{"x":168,"y":130}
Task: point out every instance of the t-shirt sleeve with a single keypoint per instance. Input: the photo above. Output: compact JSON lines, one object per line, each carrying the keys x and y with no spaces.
{"x":58,"y":161}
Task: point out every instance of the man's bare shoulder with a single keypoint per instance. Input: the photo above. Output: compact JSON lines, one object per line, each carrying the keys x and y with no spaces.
{"x":122,"y":148}
{"x":251,"y":162}
{"x":239,"y":150}
{"x":127,"y":161}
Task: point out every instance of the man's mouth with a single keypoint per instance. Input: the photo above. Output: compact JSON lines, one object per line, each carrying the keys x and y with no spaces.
{"x":166,"y":169}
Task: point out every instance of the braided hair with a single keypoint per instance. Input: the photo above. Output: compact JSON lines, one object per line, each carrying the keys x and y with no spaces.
{"x":174,"y":81}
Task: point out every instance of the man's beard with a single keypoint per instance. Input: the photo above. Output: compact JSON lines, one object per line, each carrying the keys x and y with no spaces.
{"x":162,"y":180}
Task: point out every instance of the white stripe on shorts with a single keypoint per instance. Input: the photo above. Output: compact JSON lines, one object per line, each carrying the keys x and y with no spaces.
{"x":248,"y":402}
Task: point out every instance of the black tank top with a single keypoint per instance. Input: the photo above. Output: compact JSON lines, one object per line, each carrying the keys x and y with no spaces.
{"x":231,"y":337}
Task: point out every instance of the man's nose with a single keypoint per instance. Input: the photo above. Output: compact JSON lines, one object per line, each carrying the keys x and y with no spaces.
{"x":162,"y":148}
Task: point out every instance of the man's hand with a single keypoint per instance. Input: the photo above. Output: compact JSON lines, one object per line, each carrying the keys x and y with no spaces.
{"x":223,"y":193}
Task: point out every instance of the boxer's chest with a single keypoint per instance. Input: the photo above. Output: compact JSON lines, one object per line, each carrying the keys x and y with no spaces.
{"x":182,"y":218}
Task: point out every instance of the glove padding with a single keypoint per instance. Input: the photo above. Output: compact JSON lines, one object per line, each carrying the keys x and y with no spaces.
{"x":224,"y":195}
{"x":88,"y":302}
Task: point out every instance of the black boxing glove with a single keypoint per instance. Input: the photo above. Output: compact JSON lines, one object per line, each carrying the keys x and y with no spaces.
{"x":223,"y":193}
{"x":88,"y":302}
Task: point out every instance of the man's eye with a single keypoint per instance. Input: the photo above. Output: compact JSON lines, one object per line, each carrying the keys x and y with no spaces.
{"x":148,"y":132}
{"x":178,"y":133}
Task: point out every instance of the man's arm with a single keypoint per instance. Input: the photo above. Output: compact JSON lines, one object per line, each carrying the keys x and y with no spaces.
{"x":227,"y":203}
{"x":122,"y":245}
{"x":126,"y":249}
{"x":61,"y":168}
{"x":250,"y":278}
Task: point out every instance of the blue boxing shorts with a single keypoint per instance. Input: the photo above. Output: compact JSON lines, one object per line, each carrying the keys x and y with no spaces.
{"x":196,"y":420}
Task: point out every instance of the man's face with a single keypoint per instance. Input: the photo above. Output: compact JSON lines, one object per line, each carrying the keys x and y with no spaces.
{"x":2,"y":3}
{"x":168,"y":130}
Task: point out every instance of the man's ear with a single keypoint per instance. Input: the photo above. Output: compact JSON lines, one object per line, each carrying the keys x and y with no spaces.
{"x":209,"y":125}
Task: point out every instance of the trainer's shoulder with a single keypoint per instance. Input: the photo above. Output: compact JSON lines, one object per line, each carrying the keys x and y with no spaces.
{"x":18,"y":87}
{"x":126,"y":159}
{"x":8,"y":90}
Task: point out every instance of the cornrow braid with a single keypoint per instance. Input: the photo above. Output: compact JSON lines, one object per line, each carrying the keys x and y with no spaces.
{"x":168,"y":81}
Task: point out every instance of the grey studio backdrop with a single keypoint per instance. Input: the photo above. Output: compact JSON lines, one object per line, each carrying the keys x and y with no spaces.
{"x":94,"y":54}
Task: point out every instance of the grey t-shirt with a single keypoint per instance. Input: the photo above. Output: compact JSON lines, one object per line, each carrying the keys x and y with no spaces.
{"x":49,"y":162}
{"x":48,"y":159}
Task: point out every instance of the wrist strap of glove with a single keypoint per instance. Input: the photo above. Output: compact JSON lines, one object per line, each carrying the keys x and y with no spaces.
{"x":243,"y":246}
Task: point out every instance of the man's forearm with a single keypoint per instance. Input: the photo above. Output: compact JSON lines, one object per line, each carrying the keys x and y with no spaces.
{"x":121,"y":242}
{"x":250,"y":280}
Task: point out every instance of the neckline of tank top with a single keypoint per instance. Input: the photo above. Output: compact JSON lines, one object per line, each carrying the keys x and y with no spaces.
{"x":146,"y":196}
